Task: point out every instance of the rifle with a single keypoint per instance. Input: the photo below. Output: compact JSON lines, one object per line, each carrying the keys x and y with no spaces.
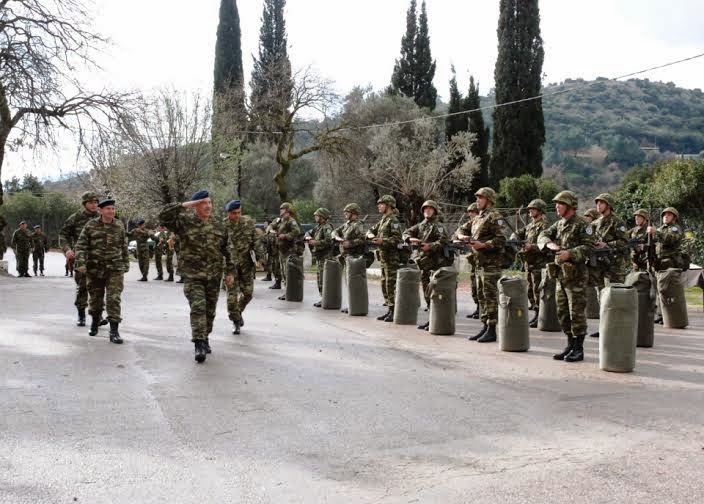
{"x":456,"y":248}
{"x":602,"y":255}
{"x":515,"y":244}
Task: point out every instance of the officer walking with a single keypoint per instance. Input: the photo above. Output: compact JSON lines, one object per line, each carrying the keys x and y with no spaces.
{"x":22,"y":245}
{"x":101,"y":255}
{"x":141,"y":235}
{"x":387,"y":235}
{"x":571,"y":238}
{"x":204,"y":253}
{"x":322,"y":246}
{"x":639,"y":234}
{"x":40,"y":245}
{"x":430,"y":238}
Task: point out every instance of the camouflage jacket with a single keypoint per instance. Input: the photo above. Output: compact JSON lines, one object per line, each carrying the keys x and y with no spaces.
{"x":488,"y":228}
{"x":40,"y":243}
{"x":322,"y":233}
{"x":575,"y":235}
{"x":466,"y":230}
{"x":242,"y":240}
{"x":668,"y":240}
{"x":21,"y":241}
{"x":534,"y":259}
{"x":351,"y":231}
{"x":141,"y":236}
{"x":270,"y":238}
{"x":73,"y":227}
{"x":639,"y":253}
{"x":611,"y":230}
{"x":102,"y":247}
{"x":203,"y":251}
{"x":162,"y":243}
{"x":293,"y":237}
{"x":390,"y":231}
{"x":433,"y":232}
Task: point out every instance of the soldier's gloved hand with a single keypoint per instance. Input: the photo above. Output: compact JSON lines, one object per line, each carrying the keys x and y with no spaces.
{"x":81,"y":269}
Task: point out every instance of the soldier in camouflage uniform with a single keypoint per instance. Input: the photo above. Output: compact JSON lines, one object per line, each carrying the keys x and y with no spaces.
{"x":591,"y":215}
{"x":668,"y":240}
{"x":572,"y":240}
{"x":534,"y":259}
{"x":266,"y":240}
{"x":22,"y":245}
{"x":639,"y":234}
{"x":203,"y":255}
{"x":290,"y":238}
{"x":466,"y":229}
{"x":40,"y":245}
{"x":609,"y":232}
{"x":141,"y":235}
{"x":387,"y":235}
{"x":322,"y":246}
{"x":101,"y":255}
{"x":69,"y":234}
{"x":3,"y":246}
{"x":430,"y":237}
{"x":350,"y":236}
{"x":164,"y":248}
{"x":487,"y":240}
{"x":246,"y":252}
{"x":272,"y":241}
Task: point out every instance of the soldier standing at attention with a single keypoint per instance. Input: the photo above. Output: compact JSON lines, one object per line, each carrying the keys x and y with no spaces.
{"x":387,"y":235}
{"x":40,"y":245}
{"x":572,"y":240}
{"x":272,"y":232}
{"x":487,"y":240}
{"x":609,"y":232}
{"x":533,"y":259}
{"x":639,"y":252}
{"x":289,"y":235}
{"x":246,"y":252}
{"x":267,"y":242}
{"x":22,"y":245}
{"x":668,"y":239}
{"x":322,"y":246}
{"x":101,"y":255}
{"x":203,"y":253}
{"x":69,"y":234}
{"x":141,"y":235}
{"x":430,"y":237}
{"x":350,"y":236}
{"x":466,"y":229}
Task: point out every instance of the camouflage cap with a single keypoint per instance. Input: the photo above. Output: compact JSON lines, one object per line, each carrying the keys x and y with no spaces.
{"x":488,"y":193}
{"x":473,"y":208}
{"x":643,"y":213}
{"x":388,"y":200}
{"x":591,"y":212}
{"x":286,"y":206}
{"x":606,"y":198}
{"x":322,"y":212}
{"x":672,"y":210}
{"x":566,"y":198}
{"x":538,"y":205}
{"x":352,"y":208}
{"x":89,"y":196}
{"x":431,"y":204}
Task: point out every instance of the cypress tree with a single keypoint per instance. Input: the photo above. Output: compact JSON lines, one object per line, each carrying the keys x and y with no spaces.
{"x":271,"y":81}
{"x":228,"y":76}
{"x":480,"y":148}
{"x":402,"y":78}
{"x":519,"y":130}
{"x":424,"y":67}
{"x":456,"y":123}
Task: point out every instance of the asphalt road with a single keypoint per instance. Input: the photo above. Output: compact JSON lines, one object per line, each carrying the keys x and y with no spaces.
{"x":309,"y":406}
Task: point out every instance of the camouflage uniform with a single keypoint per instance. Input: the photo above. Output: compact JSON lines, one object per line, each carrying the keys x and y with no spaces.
{"x":40,"y":245}
{"x":611,"y":230}
{"x":325,"y":248}
{"x":576,"y":235}
{"x":351,"y":231}
{"x":534,"y":260}
{"x":69,"y":234}
{"x":141,"y":236}
{"x":466,"y":230}
{"x":433,"y":232}
{"x":242,"y":240}
{"x":102,"y":250}
{"x":22,"y":245}
{"x":390,"y":231}
{"x":639,"y":251}
{"x":668,"y":241}
{"x":293,"y":239}
{"x":163,"y":249}
{"x":3,"y":246}
{"x":203,"y":254}
{"x":273,"y":265}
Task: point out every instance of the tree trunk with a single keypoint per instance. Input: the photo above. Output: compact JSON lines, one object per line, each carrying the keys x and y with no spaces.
{"x":3,"y":142}
{"x":280,"y":179}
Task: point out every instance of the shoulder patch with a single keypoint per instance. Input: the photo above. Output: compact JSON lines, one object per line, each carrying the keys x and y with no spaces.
{"x":441,"y":230}
{"x":674,"y":229}
{"x":500,"y":222}
{"x":293,"y":221}
{"x":589,"y":230}
{"x":396,"y":226}
{"x":623,"y":228}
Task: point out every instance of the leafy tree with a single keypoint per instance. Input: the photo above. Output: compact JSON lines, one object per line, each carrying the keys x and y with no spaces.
{"x":480,"y":147}
{"x":515,"y":192}
{"x":624,"y":151}
{"x":455,"y":123}
{"x":403,"y":78}
{"x":519,"y":130}
{"x":32,"y":185}
{"x":49,"y":211}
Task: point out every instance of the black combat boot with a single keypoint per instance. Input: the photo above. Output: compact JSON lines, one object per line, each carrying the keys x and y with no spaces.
{"x":567,"y":350}
{"x":319,"y":304}
{"x":489,"y":336}
{"x":143,"y":279}
{"x":159,"y":277}
{"x":206,"y":345}
{"x":114,"y":333}
{"x":277,"y":285}
{"x":66,"y":274}
{"x":282,"y":297}
{"x":171,"y":277}
{"x":200,"y":351}
{"x":383,"y":317}
{"x":424,"y":326}
{"x":479,"y":334}
{"x":94,"y":321}
{"x":81,"y":322}
{"x":345,"y":310}
{"x":35,"y":272}
{"x":389,"y":316}
{"x":104,"y":322}
{"x":594,"y":335}
{"x":180,"y":280}
{"x":267,"y":278}
{"x":236,"y":327}
{"x":41,"y":272}
{"x":474,"y":314}
{"x":577,"y":353}
{"x":534,"y":321}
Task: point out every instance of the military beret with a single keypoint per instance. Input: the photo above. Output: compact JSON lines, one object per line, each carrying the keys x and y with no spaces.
{"x":200,"y":195}
{"x":36,"y":226}
{"x":106,"y":202}
{"x":233,"y":205}
{"x":140,"y":222}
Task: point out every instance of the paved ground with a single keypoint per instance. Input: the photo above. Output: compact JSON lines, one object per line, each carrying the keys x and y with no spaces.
{"x":309,"y":406}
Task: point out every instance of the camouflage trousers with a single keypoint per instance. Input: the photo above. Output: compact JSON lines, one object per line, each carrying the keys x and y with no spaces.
{"x":202,"y":297}
{"x":143,"y":259}
{"x":572,"y":307}
{"x":22,"y":257}
{"x":81,"y":290}
{"x":613,"y":275}
{"x":273,"y":265}
{"x":106,"y":290}
{"x":474,"y":286}
{"x":489,"y":295}
{"x":169,"y":263}
{"x":240,"y":294}
{"x":38,"y":261}
{"x":389,"y":268}
{"x":425,"y":282}
{"x":534,"y":278}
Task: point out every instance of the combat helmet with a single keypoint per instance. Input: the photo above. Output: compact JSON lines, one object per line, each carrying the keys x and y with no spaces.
{"x":322,"y":212}
{"x":473,"y":208}
{"x":672,"y":210}
{"x":352,"y":208}
{"x":538,"y":205}
{"x":488,"y":193}
{"x":643,"y":213}
{"x":606,"y":198}
{"x":89,"y":196}
{"x":591,"y":212}
{"x":566,"y":198}
{"x":286,"y":206}
{"x":388,"y":200}
{"x":432,"y":204}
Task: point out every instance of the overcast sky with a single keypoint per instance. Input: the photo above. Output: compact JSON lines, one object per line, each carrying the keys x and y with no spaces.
{"x":354,"y":42}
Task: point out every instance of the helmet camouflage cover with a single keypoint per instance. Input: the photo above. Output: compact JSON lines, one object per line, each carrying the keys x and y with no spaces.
{"x":89,"y":196}
{"x":352,"y":208}
{"x":566,"y":198}
{"x":606,"y":198}
{"x":431,"y":204}
{"x":322,"y":212}
{"x":473,"y":208}
{"x":672,"y":210}
{"x":539,"y":205}
{"x":286,"y":206}
{"x":488,"y":193}
{"x":591,"y":212}
{"x":643,"y":213}
{"x":388,"y":200}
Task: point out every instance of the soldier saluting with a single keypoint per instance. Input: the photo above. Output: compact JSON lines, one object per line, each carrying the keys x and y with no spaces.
{"x":572,"y":240}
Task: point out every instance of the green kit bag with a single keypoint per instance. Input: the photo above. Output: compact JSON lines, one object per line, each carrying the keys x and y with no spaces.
{"x":640,"y":281}
{"x":332,"y":284}
{"x":618,"y":327}
{"x":672,"y":301}
{"x":443,"y":301}
{"x":357,"y":293}
{"x":547,"y":315}
{"x":294,"y":278}
{"x":512,"y":327}
{"x":592,"y":301}
{"x":407,"y":299}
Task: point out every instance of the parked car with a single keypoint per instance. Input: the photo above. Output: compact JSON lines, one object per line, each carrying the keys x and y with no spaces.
{"x":132,"y":247}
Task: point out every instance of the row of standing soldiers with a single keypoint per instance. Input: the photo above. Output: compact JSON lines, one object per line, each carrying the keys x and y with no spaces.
{"x":25,"y":244}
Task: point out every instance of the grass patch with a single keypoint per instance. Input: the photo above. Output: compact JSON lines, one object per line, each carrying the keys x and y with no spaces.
{"x":693,"y":295}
